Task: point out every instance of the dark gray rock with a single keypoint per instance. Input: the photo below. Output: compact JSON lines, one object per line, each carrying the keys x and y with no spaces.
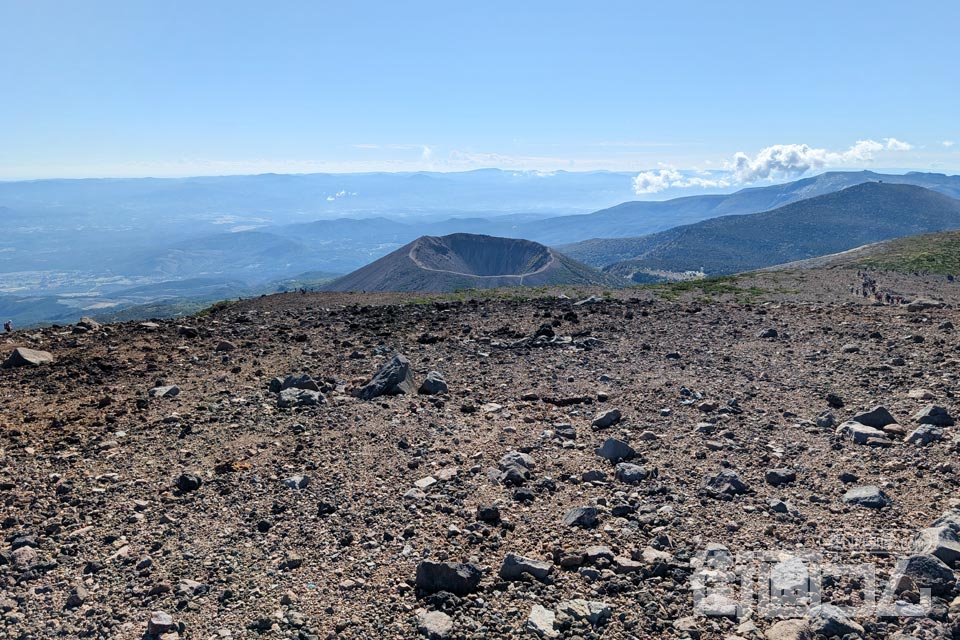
{"x":188,"y":482}
{"x":934,"y":415}
{"x":925,"y":434}
{"x":433,"y":384}
{"x":631,"y":473}
{"x":392,"y":379}
{"x":869,"y":496}
{"x":585,"y":517}
{"x":780,"y":476}
{"x":862,"y":434}
{"x":923,"y":572}
{"x":294,"y":397}
{"x":829,"y":621}
{"x":615,"y":450}
{"x":168,"y":391}
{"x":939,"y":541}
{"x":514,"y":566}
{"x":515,"y":468}
{"x":607,"y":419}
{"x":878,"y":418}
{"x":458,"y":578}
{"x":724,"y":485}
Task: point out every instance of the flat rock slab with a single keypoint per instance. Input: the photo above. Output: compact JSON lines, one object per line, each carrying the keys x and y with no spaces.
{"x":23,"y":357}
{"x":868,"y":496}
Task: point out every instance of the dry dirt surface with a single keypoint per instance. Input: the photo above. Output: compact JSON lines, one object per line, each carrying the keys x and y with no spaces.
{"x":155,"y":483}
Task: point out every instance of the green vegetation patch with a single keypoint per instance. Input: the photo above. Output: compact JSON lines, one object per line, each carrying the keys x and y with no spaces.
{"x":930,"y":253}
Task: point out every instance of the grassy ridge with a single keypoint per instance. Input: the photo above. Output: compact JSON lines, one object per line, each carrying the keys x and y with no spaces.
{"x":931,"y":253}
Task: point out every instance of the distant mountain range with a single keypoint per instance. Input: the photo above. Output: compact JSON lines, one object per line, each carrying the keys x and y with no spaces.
{"x":469,"y":261}
{"x":71,"y":247}
{"x":858,"y":215}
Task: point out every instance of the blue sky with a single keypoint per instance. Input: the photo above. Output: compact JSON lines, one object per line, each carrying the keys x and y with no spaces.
{"x":171,"y":87}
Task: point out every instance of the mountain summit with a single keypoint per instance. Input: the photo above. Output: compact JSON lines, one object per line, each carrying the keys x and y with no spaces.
{"x":468,"y":261}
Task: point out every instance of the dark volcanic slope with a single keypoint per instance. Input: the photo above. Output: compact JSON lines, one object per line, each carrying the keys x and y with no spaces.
{"x":310,"y":522}
{"x":835,"y":222}
{"x":467,"y":261}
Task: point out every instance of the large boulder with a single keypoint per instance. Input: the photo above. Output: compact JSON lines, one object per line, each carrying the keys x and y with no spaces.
{"x":23,"y":357}
{"x":458,"y":578}
{"x":393,"y":378}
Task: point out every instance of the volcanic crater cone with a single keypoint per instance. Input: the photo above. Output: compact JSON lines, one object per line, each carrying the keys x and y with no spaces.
{"x":468,"y":261}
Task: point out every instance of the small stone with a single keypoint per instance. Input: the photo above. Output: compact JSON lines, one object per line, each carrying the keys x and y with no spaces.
{"x":169,"y":391}
{"x":934,"y":415}
{"x":724,"y":485}
{"x":878,"y":418}
{"x":939,"y":541}
{"x":514,"y":566}
{"x":435,"y":625}
{"x":78,"y":595}
{"x":615,"y":450}
{"x":188,"y":482}
{"x":456,"y":577}
{"x":160,"y":622}
{"x":541,"y":621}
{"x":869,"y":496}
{"x":789,"y":630}
{"x":607,"y":419}
{"x":581,"y":517}
{"x":829,"y":620}
{"x":596,"y":613}
{"x":297,"y":482}
{"x":631,"y":473}
{"x":780,"y":476}
{"x":433,"y":384}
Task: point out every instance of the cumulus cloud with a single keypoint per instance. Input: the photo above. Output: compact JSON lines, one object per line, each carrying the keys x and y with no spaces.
{"x":779,"y":161}
{"x":897,"y":145}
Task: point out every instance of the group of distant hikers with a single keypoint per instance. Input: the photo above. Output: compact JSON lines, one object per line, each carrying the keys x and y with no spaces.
{"x":8,"y":326}
{"x":867,"y":288}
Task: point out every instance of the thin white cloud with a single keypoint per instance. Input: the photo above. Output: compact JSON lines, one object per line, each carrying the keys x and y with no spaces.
{"x":948,"y":143}
{"x":426,"y":153}
{"x":648,"y":182}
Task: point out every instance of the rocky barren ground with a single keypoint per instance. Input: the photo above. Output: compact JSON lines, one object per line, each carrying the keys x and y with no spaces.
{"x":156,"y":479}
